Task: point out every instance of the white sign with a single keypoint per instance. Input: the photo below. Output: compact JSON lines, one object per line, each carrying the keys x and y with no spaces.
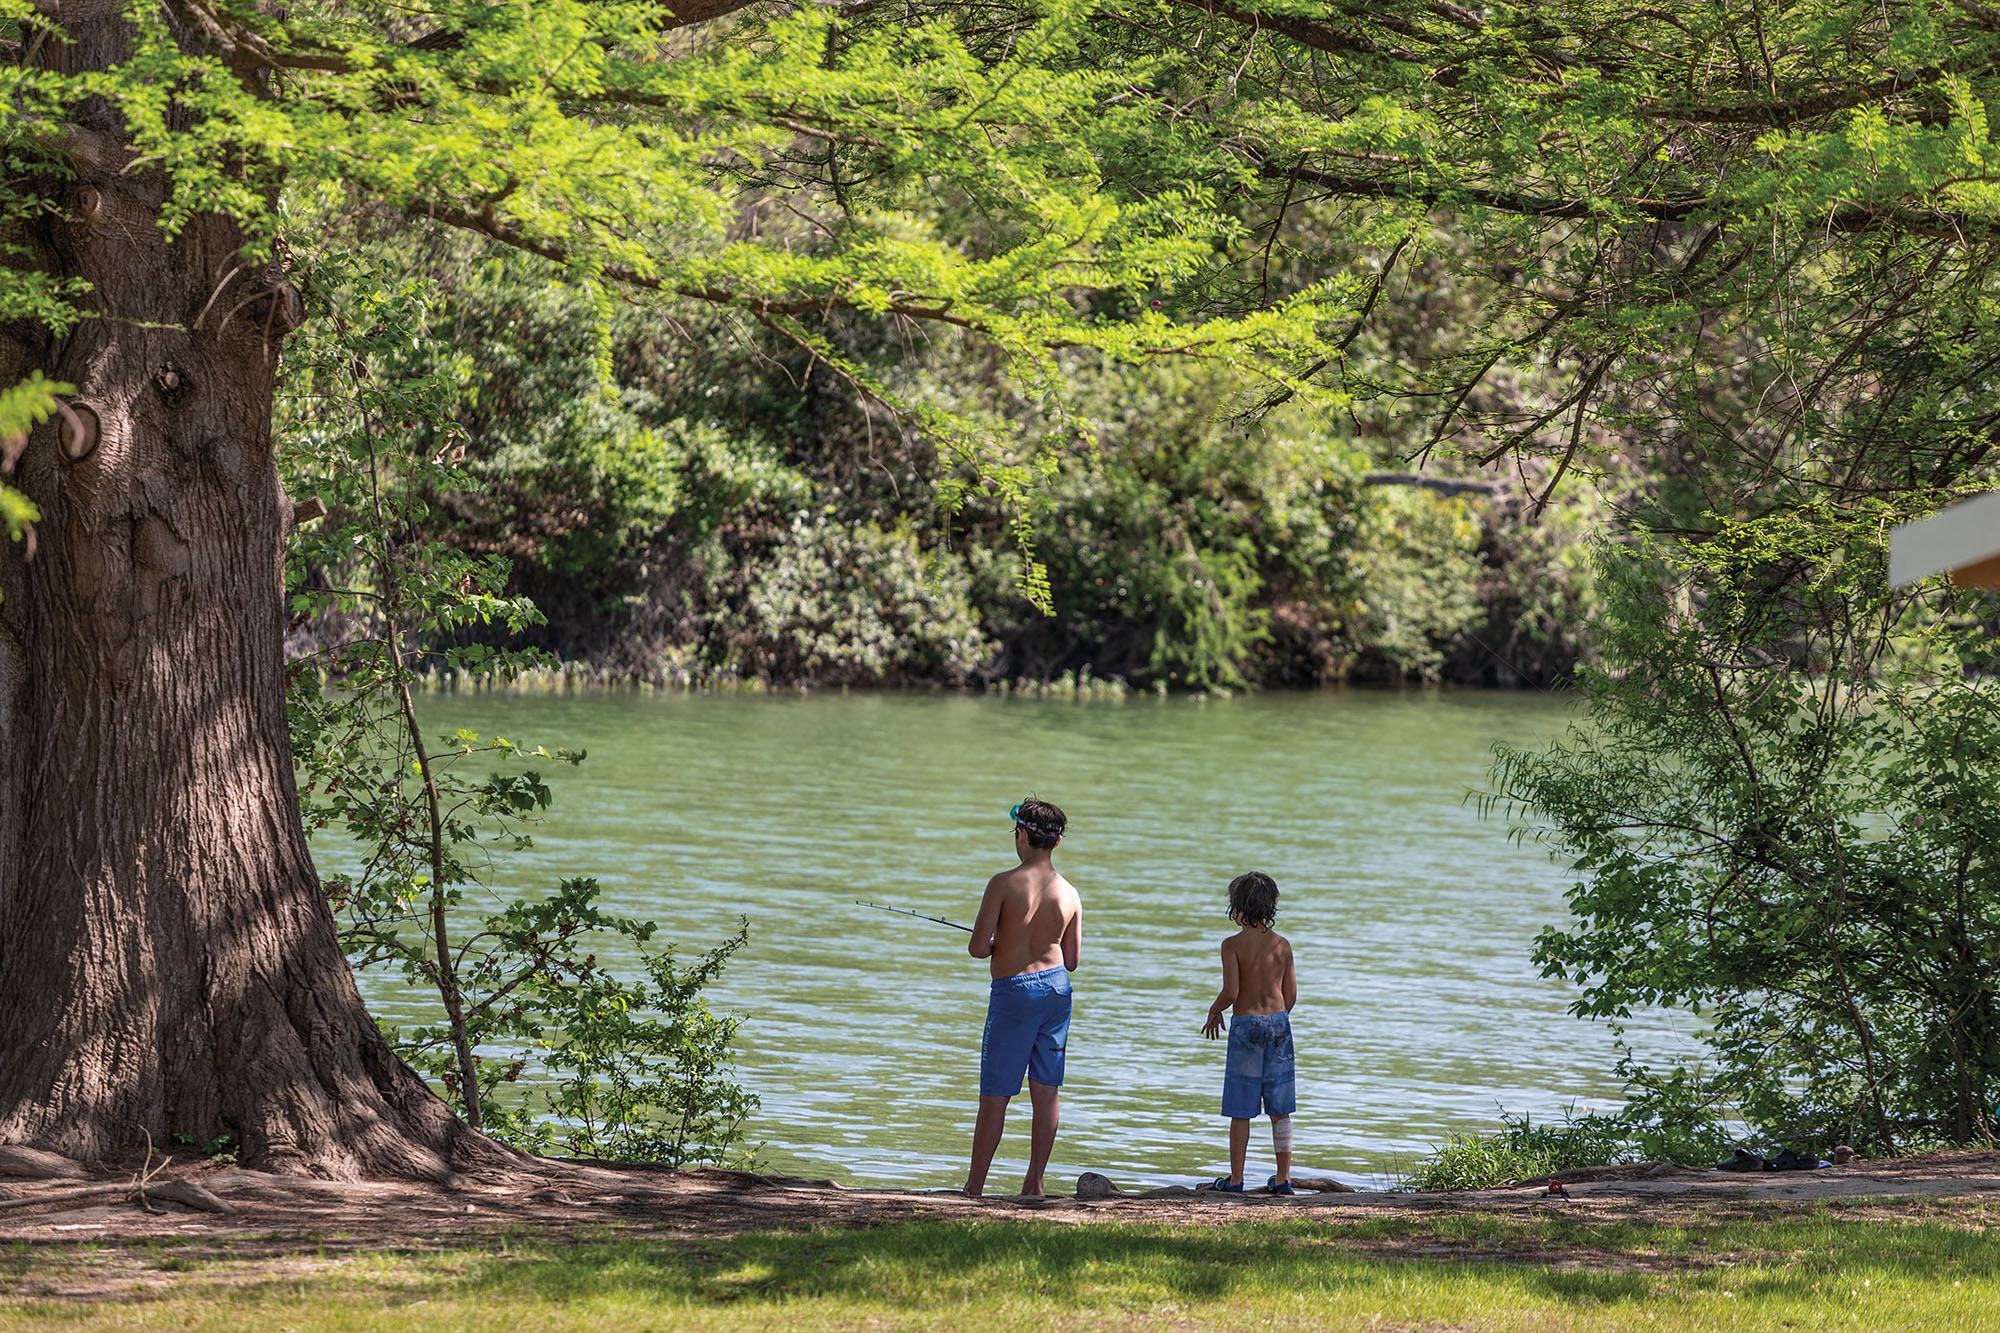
{"x":1953,"y":538}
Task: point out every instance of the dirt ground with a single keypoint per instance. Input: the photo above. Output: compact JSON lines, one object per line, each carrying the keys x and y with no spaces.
{"x":575,"y":1199}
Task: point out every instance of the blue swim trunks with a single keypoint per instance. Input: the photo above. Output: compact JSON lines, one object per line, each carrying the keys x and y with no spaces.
{"x":1027,"y":1030}
{"x":1260,"y":1067}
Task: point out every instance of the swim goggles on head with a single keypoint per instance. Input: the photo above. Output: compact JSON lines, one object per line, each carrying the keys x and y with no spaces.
{"x":1038,"y":829}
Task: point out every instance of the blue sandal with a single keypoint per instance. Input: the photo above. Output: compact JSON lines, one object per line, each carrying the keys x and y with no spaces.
{"x":1224,"y":1184}
{"x":1274,"y":1187}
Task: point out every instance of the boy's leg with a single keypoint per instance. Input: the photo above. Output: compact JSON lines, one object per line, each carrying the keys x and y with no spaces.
{"x":1004,"y":1051}
{"x":1046,"y":1100}
{"x":985,"y":1141}
{"x":1242,"y":1083}
{"x":1281,"y":1096}
{"x":1045,"y":1076}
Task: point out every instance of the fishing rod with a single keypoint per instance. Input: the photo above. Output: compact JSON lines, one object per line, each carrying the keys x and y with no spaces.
{"x":904,"y":911}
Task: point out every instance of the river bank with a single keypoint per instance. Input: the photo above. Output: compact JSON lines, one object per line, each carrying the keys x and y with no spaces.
{"x":554,"y":1197}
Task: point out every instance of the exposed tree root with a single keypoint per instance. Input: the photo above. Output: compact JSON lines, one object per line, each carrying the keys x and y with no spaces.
{"x":34,"y":1164}
{"x":186,"y":1193}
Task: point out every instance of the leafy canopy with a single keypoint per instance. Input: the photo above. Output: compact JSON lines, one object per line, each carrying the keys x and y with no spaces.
{"x":1797,"y":202}
{"x":781,"y":165}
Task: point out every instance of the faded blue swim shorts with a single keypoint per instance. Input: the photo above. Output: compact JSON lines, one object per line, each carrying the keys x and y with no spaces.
{"x":1027,"y":1030}
{"x":1260,"y":1067}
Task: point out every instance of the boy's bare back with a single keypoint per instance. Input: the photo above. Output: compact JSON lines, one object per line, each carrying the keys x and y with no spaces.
{"x":1034,"y":919}
{"x":1259,"y":960}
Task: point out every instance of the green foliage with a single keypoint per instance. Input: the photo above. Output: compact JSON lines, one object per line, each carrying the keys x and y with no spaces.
{"x":837,"y":602}
{"x":1151,"y":541}
{"x":221,"y":1148}
{"x":1191,"y":548}
{"x":645,"y":1068}
{"x":1537,"y":588}
{"x":1523,"y":1150}
{"x":1676,"y":1114}
{"x":718,"y":513}
{"x":1412,"y":578}
{"x":1637,"y":249}
{"x":22,"y":408}
{"x":1779,"y":810}
{"x":783,"y":167}
{"x":1672,"y":1116}
{"x":586,"y":472}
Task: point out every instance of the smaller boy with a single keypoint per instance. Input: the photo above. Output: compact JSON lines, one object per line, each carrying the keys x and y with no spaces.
{"x":1257,"y":979}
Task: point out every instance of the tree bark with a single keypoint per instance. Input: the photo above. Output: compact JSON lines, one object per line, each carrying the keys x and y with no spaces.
{"x":168,"y":963}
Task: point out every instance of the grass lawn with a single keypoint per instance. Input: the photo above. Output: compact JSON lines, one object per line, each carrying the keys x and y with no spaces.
{"x":1832,"y":1267}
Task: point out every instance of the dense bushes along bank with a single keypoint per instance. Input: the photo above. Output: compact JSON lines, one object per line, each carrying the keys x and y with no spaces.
{"x":702,"y":508}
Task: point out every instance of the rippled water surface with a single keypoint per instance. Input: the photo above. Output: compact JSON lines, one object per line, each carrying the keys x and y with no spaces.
{"x":1419,"y":1011}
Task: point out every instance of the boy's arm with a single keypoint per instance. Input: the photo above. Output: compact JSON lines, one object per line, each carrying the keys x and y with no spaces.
{"x":986,"y":926}
{"x":1230,"y":978}
{"x":1072,"y":939}
{"x":1291,"y":981}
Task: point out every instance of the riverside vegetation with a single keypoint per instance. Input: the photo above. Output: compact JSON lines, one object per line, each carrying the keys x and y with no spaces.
{"x":687,"y":507}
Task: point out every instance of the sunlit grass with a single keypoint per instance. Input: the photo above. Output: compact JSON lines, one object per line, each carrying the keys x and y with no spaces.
{"x":1827,"y":1269}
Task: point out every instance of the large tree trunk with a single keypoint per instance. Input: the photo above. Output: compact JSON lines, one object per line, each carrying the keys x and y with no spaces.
{"x":168,"y":964}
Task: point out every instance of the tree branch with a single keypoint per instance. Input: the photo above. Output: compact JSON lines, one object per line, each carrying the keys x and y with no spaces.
{"x":485,"y":224}
{"x":1787,"y":112}
{"x":1504,"y":201}
{"x":1847,"y":219}
{"x":1304,"y":31}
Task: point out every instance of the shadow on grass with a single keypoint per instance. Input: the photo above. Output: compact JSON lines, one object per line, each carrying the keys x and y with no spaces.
{"x":918,"y":1265}
{"x":1565,"y":1261}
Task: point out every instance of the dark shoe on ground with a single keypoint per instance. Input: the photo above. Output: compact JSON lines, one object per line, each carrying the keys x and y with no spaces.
{"x":1787,"y":1160}
{"x":1274,"y":1187}
{"x":1742,"y":1160}
{"x":1227,"y":1186}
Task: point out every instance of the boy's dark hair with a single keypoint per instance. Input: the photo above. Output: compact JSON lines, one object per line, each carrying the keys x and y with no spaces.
{"x":1253,"y":899}
{"x":1043,"y":822}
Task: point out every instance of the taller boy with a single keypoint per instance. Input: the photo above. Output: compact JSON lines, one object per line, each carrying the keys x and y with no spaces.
{"x":1030,"y":925}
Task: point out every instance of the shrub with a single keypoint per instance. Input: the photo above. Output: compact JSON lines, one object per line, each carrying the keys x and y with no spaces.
{"x":1780,"y":813}
{"x":1523,"y":1150}
{"x":837,"y":602}
{"x":645,"y":1069}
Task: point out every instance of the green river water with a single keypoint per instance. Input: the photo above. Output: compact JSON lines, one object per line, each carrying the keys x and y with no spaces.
{"x":1419,"y":1012}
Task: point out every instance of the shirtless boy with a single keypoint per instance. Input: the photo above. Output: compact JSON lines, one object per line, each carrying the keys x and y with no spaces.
{"x":1257,"y":979}
{"x":1030,"y":926}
